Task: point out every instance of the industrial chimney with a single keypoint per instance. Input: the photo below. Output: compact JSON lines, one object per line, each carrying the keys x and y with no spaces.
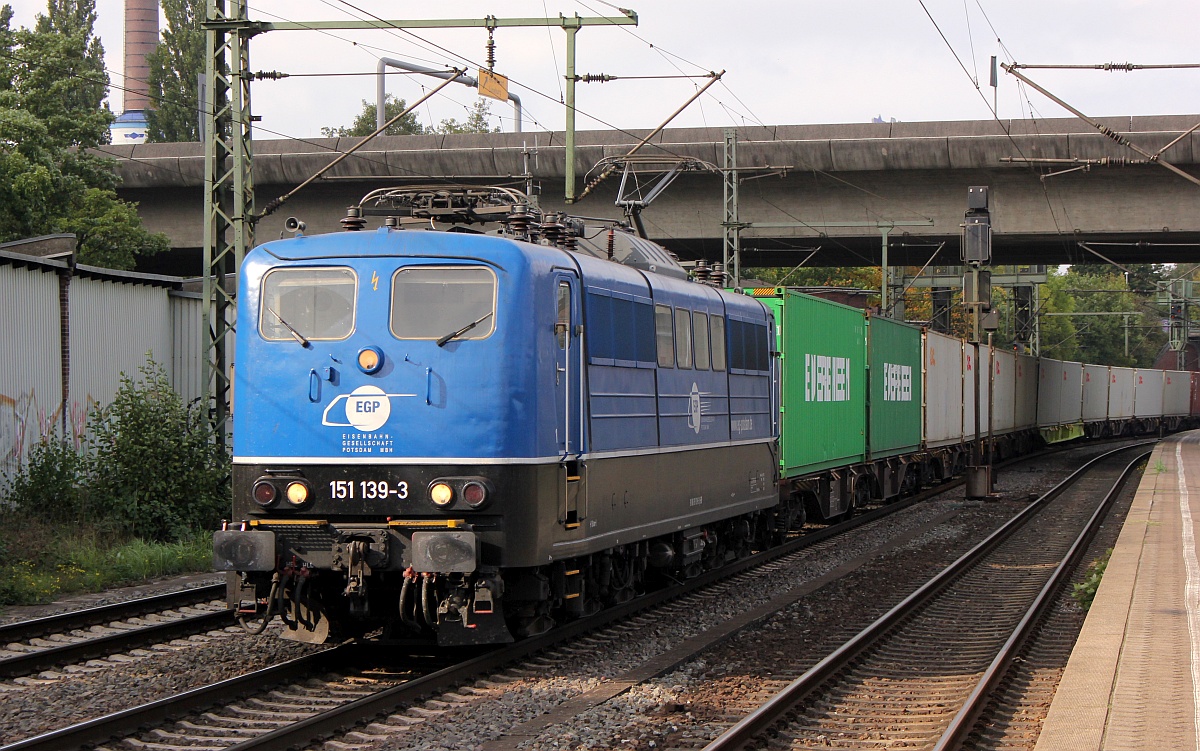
{"x":141,"y":38}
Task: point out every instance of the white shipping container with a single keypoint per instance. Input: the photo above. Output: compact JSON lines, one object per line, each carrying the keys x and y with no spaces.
{"x":1071,"y":397}
{"x":1004,"y":391}
{"x":1095,"y":393}
{"x":1177,"y":392}
{"x":943,"y":389}
{"x":1050,"y":380}
{"x":968,"y":415}
{"x":1026,"y":392}
{"x":1120,"y":393}
{"x":1147,"y":393}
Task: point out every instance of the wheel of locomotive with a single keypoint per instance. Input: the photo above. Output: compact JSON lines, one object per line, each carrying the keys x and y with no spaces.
{"x":789,"y":515}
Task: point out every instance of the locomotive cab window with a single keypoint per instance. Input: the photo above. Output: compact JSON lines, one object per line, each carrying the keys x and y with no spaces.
{"x":438,"y":302}
{"x":308,"y":303}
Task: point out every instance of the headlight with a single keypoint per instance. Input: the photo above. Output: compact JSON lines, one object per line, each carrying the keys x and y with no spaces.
{"x":441,"y":494}
{"x":370,"y":359}
{"x":297,"y":493}
{"x":265,"y":493}
{"x":475,"y":494}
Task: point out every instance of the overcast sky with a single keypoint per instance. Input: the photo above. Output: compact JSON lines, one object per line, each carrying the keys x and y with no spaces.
{"x":840,"y":61}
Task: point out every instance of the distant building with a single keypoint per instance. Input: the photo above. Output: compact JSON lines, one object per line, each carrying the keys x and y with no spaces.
{"x":1168,"y":359}
{"x":130,"y":128}
{"x":141,"y":38}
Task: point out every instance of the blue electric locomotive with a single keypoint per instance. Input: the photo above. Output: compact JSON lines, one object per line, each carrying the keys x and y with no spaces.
{"x":465,"y":437}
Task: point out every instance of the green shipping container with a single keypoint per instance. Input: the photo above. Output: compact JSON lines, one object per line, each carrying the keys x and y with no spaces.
{"x":823,"y":364}
{"x":894,"y":398}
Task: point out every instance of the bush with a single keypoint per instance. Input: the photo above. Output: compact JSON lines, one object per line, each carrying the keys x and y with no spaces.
{"x":136,"y":502}
{"x":1084,"y":592}
{"x":48,"y":484}
{"x":155,"y":461}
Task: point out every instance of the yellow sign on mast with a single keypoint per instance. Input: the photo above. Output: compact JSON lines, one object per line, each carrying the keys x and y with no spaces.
{"x":493,"y":85}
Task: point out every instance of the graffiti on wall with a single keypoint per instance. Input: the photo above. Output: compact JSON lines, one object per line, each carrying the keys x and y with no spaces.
{"x":24,"y":422}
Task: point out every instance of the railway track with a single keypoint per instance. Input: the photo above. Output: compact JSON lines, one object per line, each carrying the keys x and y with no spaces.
{"x":335,"y":694}
{"x":323,"y":694}
{"x":42,"y":643}
{"x":920,"y":675}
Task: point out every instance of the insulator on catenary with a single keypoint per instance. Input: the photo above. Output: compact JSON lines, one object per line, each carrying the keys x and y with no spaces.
{"x":551,"y":229}
{"x":353,"y":221}
{"x":516,"y":222}
{"x":716,"y":275}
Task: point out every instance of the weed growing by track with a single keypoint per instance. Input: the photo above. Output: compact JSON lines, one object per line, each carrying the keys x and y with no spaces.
{"x":85,"y":562}
{"x":133,"y":499}
{"x":1085,"y":591}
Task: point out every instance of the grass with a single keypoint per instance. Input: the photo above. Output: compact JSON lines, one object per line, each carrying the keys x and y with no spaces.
{"x":1085,"y":592}
{"x":39,"y":564}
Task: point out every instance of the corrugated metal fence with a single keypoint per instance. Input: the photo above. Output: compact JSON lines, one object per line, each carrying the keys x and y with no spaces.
{"x":111,"y":320}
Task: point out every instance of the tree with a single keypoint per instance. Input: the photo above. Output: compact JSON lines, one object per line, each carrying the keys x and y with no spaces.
{"x":477,"y":120}
{"x":52,"y":85}
{"x":175,"y":67}
{"x":364,"y":124}
{"x":6,"y":48}
{"x":61,"y":73}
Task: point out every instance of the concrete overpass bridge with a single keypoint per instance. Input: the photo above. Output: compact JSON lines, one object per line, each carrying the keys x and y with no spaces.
{"x":841,"y":186}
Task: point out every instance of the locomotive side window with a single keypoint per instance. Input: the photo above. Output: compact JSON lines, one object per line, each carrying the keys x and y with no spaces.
{"x":748,"y":346}
{"x":700,"y":335}
{"x":307,"y":303}
{"x":683,"y":337}
{"x":436,"y":302}
{"x":563,"y":324}
{"x":665,"y":336}
{"x":718,"y":342}
{"x":620,"y":330}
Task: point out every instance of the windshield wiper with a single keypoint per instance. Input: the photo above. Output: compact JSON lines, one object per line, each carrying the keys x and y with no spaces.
{"x":455,"y":334}
{"x":298,"y":336}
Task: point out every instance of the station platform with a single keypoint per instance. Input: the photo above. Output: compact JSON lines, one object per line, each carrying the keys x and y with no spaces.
{"x":1133,"y":679}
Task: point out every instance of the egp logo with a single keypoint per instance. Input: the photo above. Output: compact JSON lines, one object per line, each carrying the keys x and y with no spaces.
{"x":366,"y":407}
{"x":695,"y":414}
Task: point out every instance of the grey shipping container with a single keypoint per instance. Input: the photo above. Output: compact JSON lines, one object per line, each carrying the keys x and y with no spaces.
{"x":968,"y":426}
{"x":943,"y":396}
{"x":1120,"y":393}
{"x":1177,"y":393}
{"x":1050,"y":380}
{"x":1004,"y":391}
{"x":1095,"y":393}
{"x":1071,"y":396}
{"x":1147,"y":392}
{"x":1026,"y":392}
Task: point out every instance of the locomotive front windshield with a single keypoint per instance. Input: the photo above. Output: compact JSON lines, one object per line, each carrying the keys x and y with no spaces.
{"x":312,"y":303}
{"x":440,"y":302}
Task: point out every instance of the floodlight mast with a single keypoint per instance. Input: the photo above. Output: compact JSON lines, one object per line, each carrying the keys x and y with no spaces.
{"x":228,"y":178}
